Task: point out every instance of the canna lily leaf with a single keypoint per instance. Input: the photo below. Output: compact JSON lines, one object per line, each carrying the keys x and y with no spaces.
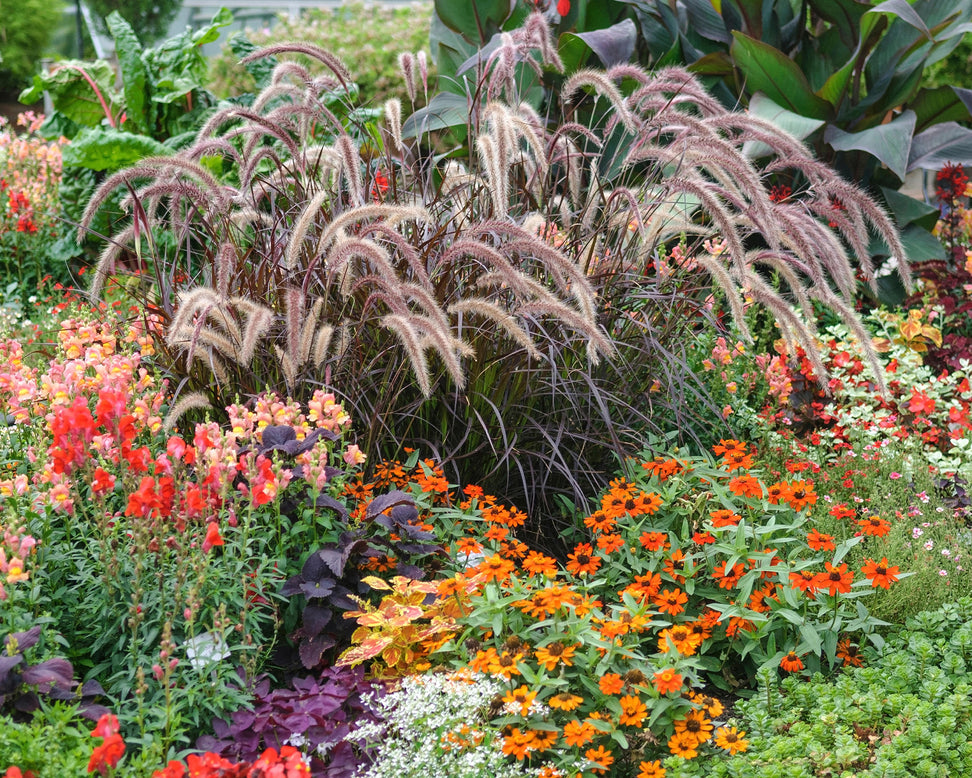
{"x":946,"y":142}
{"x":890,"y":143}
{"x":904,"y":11}
{"x":777,"y":76}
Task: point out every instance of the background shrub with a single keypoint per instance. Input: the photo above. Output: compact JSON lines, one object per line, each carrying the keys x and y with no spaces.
{"x":369,"y":35}
{"x":25,"y":30}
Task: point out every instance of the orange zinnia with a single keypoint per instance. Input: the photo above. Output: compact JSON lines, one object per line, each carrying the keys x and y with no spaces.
{"x":505,"y":664}
{"x":849,"y":653}
{"x":696,"y":725}
{"x":819,"y":541}
{"x":879,"y":573}
{"x":565,"y":701}
{"x":577,"y":733}
{"x":644,"y":587}
{"x":778,"y":492}
{"x":633,"y":711}
{"x":663,"y":468}
{"x":874,"y":525}
{"x":601,"y":756}
{"x":803,"y":580}
{"x":583,"y":561}
{"x":518,"y":743}
{"x":746,"y":486}
{"x":671,"y":601}
{"x":731,"y":740}
{"x":681,"y":636}
{"x":610,"y":543}
{"x":599,"y":521}
{"x":654,"y":541}
{"x":835,"y":580}
{"x":520,"y":697}
{"x":801,"y":495}
{"x":667,"y":681}
{"x":724,"y":518}
{"x":728,"y":578}
{"x":540,"y":564}
{"x":495,"y":568}
{"x":611,"y":683}
{"x":684,"y":746}
{"x":791,"y":663}
{"x":553,"y":653}
{"x":651,"y":770}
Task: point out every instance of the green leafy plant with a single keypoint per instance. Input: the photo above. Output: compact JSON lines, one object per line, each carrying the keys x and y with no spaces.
{"x":369,"y":35}
{"x":25,"y":31}
{"x":905,"y":712}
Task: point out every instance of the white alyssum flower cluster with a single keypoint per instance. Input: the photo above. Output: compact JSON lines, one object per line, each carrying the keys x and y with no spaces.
{"x":435,"y":726}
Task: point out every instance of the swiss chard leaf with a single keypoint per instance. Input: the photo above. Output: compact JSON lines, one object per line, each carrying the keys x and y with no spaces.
{"x":133,"y":73}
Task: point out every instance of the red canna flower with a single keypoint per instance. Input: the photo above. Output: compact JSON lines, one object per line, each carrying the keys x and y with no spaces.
{"x":563,"y":7}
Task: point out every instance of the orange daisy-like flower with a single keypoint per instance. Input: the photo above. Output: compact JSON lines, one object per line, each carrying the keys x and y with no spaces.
{"x":610,"y":543}
{"x":547,"y":601}
{"x":674,"y":566}
{"x":819,"y":541}
{"x":644,"y":587}
{"x":555,"y":653}
{"x":875,"y":526}
{"x":517,"y":743}
{"x":667,"y":681}
{"x":583,"y":561}
{"x":599,"y":521}
{"x":778,"y":492}
{"x":738,"y":624}
{"x":681,"y":636}
{"x":495,"y":568}
{"x":849,"y":653}
{"x":663,"y":468}
{"x":792,"y":663}
{"x":730,"y":446}
{"x":731,"y":740}
{"x":543,"y":739}
{"x":565,"y":701}
{"x":611,"y":683}
{"x":803,"y":580}
{"x":520,"y":699}
{"x":671,"y":601}
{"x":836,"y":579}
{"x":746,"y":486}
{"x":497,"y":533}
{"x":468,"y":546}
{"x":841,"y":511}
{"x":880,"y":573}
{"x":651,"y":769}
{"x":703,"y":538}
{"x":801,"y":495}
{"x":684,"y":746}
{"x":579,"y":734}
{"x":724,"y":518}
{"x":728,"y":579}
{"x":601,"y":757}
{"x":708,"y":705}
{"x":540,"y":564}
{"x":633,"y":711}
{"x":654,"y":541}
{"x":506,"y":664}
{"x":695,"y":724}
